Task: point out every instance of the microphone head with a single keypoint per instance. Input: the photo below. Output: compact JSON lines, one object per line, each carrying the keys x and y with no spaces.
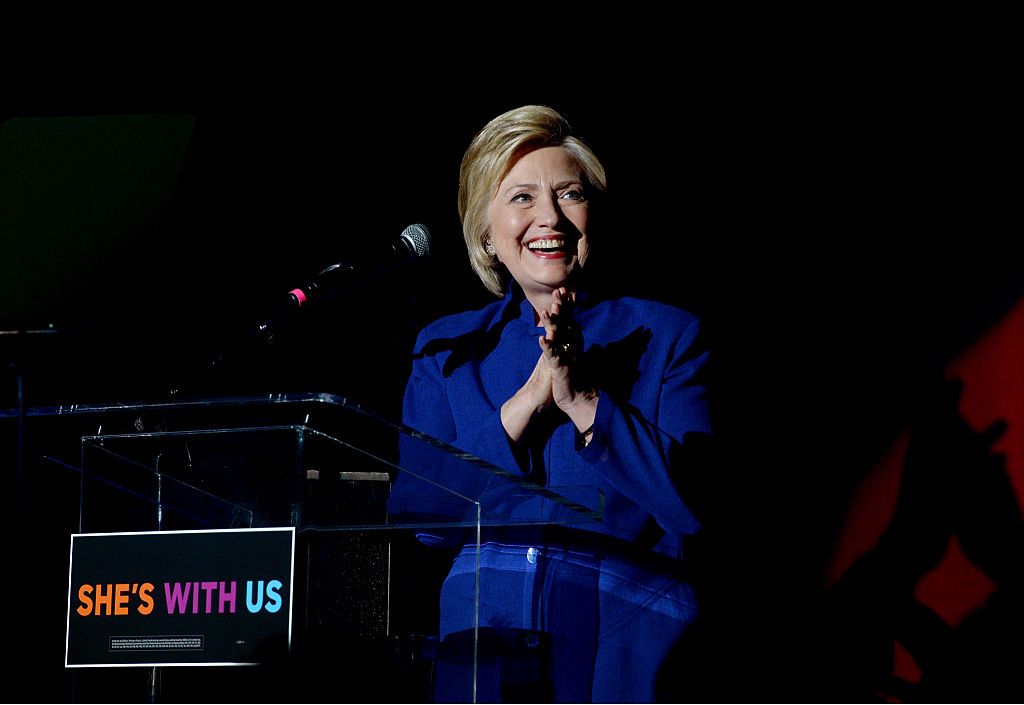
{"x":418,"y":237}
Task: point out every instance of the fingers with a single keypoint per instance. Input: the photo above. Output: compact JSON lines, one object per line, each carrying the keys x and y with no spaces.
{"x":550,"y":319}
{"x":559,"y":299}
{"x":548,"y":352}
{"x":561,"y":296}
{"x":547,"y":349}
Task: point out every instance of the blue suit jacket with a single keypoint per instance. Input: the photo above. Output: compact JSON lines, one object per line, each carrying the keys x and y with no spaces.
{"x":612,"y":618}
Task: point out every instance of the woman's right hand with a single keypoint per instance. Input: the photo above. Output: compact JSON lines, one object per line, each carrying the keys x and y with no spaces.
{"x":529,"y":401}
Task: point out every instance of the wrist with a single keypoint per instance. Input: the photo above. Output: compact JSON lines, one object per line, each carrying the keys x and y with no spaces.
{"x":582,"y":410}
{"x":583,"y":438}
{"x":518,"y":412}
{"x":527,"y":404}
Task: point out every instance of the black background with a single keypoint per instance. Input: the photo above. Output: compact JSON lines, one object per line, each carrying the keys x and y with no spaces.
{"x":841,"y":229}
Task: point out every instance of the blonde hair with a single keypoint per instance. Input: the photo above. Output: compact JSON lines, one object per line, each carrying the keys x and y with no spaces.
{"x":489,"y":158}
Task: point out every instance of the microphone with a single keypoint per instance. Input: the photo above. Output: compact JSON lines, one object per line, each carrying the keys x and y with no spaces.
{"x":413,"y":242}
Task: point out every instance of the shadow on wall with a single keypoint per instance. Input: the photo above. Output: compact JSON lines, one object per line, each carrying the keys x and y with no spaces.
{"x":924,"y":599}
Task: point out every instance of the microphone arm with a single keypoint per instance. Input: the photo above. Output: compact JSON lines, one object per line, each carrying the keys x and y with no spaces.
{"x":264,"y":332}
{"x":300,"y":295}
{"x":413,"y":243}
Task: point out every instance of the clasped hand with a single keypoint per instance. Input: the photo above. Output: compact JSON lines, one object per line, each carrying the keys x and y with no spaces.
{"x":552,"y":381}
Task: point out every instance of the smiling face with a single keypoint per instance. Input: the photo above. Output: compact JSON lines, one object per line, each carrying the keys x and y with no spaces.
{"x":538,"y":221}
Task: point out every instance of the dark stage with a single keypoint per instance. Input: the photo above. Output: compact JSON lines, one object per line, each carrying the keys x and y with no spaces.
{"x":848,"y":255}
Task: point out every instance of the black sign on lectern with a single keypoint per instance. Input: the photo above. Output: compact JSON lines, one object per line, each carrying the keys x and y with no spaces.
{"x":173,"y":598}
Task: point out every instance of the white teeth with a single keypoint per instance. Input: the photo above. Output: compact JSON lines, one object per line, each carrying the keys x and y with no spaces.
{"x":545,"y":244}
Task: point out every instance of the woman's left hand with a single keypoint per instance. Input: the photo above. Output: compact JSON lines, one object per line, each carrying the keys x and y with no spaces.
{"x":580,"y":405}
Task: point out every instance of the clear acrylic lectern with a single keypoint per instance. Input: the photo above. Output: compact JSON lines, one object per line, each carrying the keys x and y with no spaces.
{"x":375,"y":539}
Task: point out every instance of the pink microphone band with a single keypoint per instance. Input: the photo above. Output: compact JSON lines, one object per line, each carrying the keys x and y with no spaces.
{"x":299,"y":295}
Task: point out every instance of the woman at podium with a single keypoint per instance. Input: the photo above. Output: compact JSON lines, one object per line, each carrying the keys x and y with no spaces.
{"x":600,"y":399}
